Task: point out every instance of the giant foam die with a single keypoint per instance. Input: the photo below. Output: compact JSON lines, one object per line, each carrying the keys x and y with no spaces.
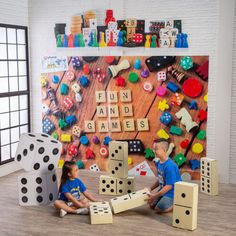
{"x":100,"y":213}
{"x":130,"y":201}
{"x":186,"y":194}
{"x":36,"y":188}
{"x":209,"y":176}
{"x":38,"y":152}
{"x":185,"y":217}
{"x":115,"y":186}
{"x":117,"y":168}
{"x":118,"y":150}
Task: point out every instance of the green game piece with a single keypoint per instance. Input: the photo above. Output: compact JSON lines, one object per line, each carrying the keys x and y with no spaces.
{"x":133,"y":77}
{"x":124,"y":36}
{"x":55,"y":135}
{"x":64,"y":89}
{"x":186,"y":63}
{"x":149,"y":154}
{"x":201,"y":134}
{"x":59,"y":42}
{"x":95,"y":40}
{"x":81,"y":40}
{"x":180,"y":159}
{"x":80,"y":164}
{"x":62,"y":124}
{"x":175,"y":130}
{"x":154,"y":42}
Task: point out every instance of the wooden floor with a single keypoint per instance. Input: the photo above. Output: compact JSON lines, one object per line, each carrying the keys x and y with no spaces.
{"x":216,"y":215}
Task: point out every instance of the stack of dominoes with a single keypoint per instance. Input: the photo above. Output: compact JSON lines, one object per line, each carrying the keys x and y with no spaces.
{"x":185,"y":205}
{"x":118,"y":182}
{"x":209,"y":176}
{"x":38,"y":154}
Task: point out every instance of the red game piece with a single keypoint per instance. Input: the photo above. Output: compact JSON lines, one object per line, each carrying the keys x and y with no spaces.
{"x":86,"y":69}
{"x":192,"y":87}
{"x":111,"y":42}
{"x":109,"y":59}
{"x":104,"y":151}
{"x":184,"y":144}
{"x":71,"y":41}
{"x":202,"y":115}
{"x":120,"y":81}
{"x":89,"y":154}
{"x":72,"y":150}
{"x":202,"y":70}
{"x":109,"y":16}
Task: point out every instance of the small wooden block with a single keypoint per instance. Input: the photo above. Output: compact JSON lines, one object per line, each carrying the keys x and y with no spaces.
{"x":100,"y":96}
{"x":129,"y":201}
{"x":113,"y":111}
{"x":186,"y":194}
{"x":89,"y":126}
{"x":103,"y":126}
{"x":185,"y":217}
{"x":127,"y":110}
{"x":101,"y":111}
{"x":128,"y":125}
{"x":112,"y":96}
{"x":100,"y":213}
{"x":125,"y":95}
{"x":115,"y":126}
{"x":142,"y":124}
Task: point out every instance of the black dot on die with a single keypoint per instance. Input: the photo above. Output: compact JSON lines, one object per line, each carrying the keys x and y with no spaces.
{"x":50,"y":197}
{"x":108,"y":186}
{"x":51,"y":167}
{"x":24,"y":181}
{"x":187,"y":212}
{"x":103,"y":190}
{"x":25,"y":152}
{"x":24,"y":190}
{"x":38,"y":180}
{"x":120,"y":147}
{"x":41,"y":150}
{"x":112,"y":190}
{"x":183,"y":195}
{"x":36,"y":166}
{"x":177,"y":221}
{"x":55,"y":151}
{"x":44,"y":135}
{"x":39,"y":190}
{"x":112,"y":154}
{"x":104,"y":181}
{"x":120,"y":182}
{"x":120,"y":191}
{"x":46,"y":159}
{"x":18,"y":158}
{"x":113,"y":172}
{"x":116,"y":151}
{"x":129,"y":182}
{"x":31,"y":135}
{"x":24,"y":199}
{"x":54,"y":178}
{"x":129,"y":191}
{"x":112,"y":181}
{"x":116,"y":168}
{"x":39,"y":140}
{"x":120,"y":164}
{"x":39,"y":199}
{"x":54,"y":141}
{"x":31,"y":147}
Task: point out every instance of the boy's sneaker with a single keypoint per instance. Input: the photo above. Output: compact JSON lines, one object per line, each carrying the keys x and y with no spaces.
{"x":62,"y":213}
{"x":82,"y":211}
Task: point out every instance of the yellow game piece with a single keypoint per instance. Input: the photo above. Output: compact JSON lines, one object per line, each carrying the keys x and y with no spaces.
{"x":206,"y":98}
{"x":197,"y":148}
{"x":147,"y":43}
{"x":43,"y":80}
{"x":162,"y":134}
{"x":130,"y":161}
{"x":102,"y":42}
{"x":162,"y":105}
{"x":60,"y":163}
{"x":65,"y":138}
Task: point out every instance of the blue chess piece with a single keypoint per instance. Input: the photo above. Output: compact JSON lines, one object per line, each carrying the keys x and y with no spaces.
{"x":178,"y":43}
{"x":90,"y":44}
{"x":192,"y":105}
{"x":137,"y":64}
{"x":76,"y":40}
{"x":184,"y":41}
{"x":65,"y":41}
{"x":120,"y":40}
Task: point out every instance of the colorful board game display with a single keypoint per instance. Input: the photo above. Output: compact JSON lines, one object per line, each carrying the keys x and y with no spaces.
{"x":94,"y":101}
{"x":84,"y":31}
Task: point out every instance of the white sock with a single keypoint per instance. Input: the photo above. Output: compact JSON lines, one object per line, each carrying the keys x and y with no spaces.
{"x":62,"y":213}
{"x":82,"y":211}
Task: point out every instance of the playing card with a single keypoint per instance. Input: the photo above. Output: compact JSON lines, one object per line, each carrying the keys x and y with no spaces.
{"x":93,"y":23}
{"x":112,"y":25}
{"x":165,"y":32}
{"x":142,"y":169}
{"x":115,"y":35}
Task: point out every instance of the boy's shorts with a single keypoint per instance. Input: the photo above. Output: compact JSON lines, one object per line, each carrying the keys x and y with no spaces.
{"x":163,"y":203}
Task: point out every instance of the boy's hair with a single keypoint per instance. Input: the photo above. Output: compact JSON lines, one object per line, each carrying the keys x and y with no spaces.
{"x":163,"y":142}
{"x":66,"y":169}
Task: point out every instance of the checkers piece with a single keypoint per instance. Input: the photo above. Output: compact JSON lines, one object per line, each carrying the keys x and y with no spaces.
{"x":192,"y":87}
{"x":148,"y":87}
{"x":133,"y":77}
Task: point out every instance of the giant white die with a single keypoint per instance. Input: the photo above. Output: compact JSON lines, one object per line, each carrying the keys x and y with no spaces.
{"x":38,"y":152}
{"x":37,"y":188}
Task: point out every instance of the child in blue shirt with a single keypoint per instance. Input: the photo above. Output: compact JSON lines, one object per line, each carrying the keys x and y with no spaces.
{"x":71,"y":188}
{"x":167,"y":175}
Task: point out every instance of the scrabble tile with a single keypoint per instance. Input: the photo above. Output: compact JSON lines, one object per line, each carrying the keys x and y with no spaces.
{"x":113,"y":111}
{"x":142,"y":124}
{"x":127,"y":110}
{"x":89,"y":126}
{"x":112,"y":96}
{"x":125,"y":95}
{"x":128,"y":125}
{"x":100,"y":96}
{"x":103,"y":126}
{"x":115,"y":125}
{"x":101,"y":111}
